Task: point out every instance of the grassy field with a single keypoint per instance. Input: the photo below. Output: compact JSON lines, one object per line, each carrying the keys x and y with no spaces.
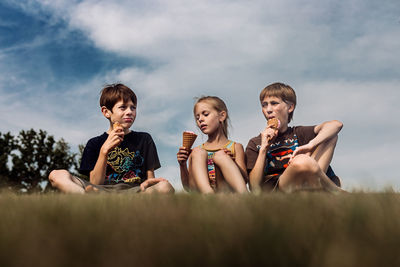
{"x":303,"y":229}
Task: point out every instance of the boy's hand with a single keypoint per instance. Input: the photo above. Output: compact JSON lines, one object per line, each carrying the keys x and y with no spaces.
{"x":114,"y":138}
{"x":304,"y":149}
{"x":267,"y":136}
{"x":150,"y":182}
{"x":182,"y":155}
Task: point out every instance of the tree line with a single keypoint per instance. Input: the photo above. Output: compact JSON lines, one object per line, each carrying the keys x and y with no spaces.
{"x":27,"y":159}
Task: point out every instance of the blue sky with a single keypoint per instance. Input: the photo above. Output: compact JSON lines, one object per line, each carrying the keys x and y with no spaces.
{"x":342,"y":58}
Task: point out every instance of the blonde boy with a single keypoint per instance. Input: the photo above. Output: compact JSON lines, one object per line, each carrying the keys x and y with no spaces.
{"x":291,"y":158}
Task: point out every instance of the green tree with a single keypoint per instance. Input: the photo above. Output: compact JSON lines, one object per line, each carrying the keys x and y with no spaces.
{"x":35,"y":155}
{"x":7,"y":144}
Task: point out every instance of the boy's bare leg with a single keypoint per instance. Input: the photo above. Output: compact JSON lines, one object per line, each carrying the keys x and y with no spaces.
{"x":198,"y":170}
{"x":163,"y":187}
{"x":65,"y":182}
{"x":323,"y":154}
{"x":304,"y":173}
{"x":230,"y":171}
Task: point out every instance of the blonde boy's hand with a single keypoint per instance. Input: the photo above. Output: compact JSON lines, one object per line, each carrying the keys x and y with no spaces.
{"x":150,"y":182}
{"x":182,"y":155}
{"x":267,"y":136}
{"x":306,"y":149}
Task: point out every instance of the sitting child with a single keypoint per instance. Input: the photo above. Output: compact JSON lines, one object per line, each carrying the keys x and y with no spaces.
{"x":218,"y":164}
{"x":291,"y":158}
{"x":119,"y":159}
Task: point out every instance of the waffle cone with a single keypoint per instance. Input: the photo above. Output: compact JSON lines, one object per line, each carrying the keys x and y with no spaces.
{"x":188,"y":139}
{"x":274,"y":123}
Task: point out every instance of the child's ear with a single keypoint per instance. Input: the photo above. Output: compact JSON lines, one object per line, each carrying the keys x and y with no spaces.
{"x":291,"y":108}
{"x":222,"y":116}
{"x":105,"y":112}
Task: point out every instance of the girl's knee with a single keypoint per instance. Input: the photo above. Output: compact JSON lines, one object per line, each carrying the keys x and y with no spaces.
{"x":198,"y":152}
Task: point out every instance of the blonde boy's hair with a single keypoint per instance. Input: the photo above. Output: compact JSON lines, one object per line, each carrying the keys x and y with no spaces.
{"x":283,"y":91}
{"x":219,"y":105}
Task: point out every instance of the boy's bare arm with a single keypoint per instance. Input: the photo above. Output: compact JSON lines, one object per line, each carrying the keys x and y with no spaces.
{"x":257,"y":173}
{"x":324,"y":132}
{"x":98,"y":174}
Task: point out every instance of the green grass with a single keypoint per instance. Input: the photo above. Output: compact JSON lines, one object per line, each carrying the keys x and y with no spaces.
{"x":303,"y":229}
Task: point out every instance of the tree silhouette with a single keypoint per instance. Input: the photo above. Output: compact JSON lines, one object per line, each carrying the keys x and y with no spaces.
{"x":27,"y":160}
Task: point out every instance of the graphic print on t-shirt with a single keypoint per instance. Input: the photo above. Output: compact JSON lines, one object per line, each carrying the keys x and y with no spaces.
{"x":279,"y":154}
{"x":124,"y":164}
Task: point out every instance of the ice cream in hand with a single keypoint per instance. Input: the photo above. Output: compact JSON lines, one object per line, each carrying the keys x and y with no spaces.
{"x":117,"y":125}
{"x":188,"y":139}
{"x":274,"y":123}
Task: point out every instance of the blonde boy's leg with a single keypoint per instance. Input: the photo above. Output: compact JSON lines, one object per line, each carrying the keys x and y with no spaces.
{"x":198,"y":170}
{"x":323,"y":154}
{"x":65,"y":182}
{"x":304,"y":173}
{"x":230,"y":171}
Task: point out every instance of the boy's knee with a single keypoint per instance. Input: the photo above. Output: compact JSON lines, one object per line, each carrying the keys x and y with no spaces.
{"x":56,"y":175}
{"x":304,"y":164}
{"x":164,"y":187}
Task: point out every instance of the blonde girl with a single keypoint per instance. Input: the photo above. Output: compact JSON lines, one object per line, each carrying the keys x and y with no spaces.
{"x":218,"y":165}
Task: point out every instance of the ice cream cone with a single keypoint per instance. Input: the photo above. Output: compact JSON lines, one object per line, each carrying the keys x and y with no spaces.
{"x":188,"y":139}
{"x":274,"y":123}
{"x":116,"y":125}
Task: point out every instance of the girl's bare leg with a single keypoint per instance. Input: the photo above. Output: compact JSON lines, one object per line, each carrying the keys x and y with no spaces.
{"x":230,"y":171}
{"x":198,"y":170}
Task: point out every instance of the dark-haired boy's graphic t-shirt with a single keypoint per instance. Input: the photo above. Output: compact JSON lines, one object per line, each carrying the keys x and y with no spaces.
{"x":126,"y":163}
{"x":280,"y":151}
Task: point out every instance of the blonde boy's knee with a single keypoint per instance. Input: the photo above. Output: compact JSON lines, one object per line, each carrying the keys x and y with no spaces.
{"x":304,"y":164}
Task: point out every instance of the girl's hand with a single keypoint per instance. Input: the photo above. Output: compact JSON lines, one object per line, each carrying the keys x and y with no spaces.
{"x":182,"y":155}
{"x":229,"y":153}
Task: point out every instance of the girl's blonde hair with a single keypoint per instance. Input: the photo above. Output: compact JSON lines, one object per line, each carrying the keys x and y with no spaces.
{"x":219,"y":105}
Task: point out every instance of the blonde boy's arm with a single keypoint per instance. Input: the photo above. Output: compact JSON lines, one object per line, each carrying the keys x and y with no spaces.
{"x":324,"y":132}
{"x":257,"y":173}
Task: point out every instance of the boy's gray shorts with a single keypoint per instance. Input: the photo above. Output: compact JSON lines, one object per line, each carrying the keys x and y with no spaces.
{"x":128,"y":188}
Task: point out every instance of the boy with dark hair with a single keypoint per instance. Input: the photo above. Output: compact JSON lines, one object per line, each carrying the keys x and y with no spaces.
{"x":291,"y":158}
{"x":119,"y":159}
